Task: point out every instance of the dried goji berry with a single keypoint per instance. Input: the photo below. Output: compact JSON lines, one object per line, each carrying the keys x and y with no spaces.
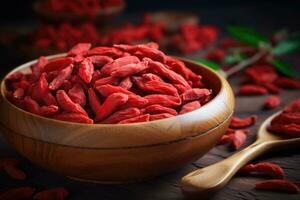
{"x":77,"y":95}
{"x":16,"y":76}
{"x":135,"y":101}
{"x":160,"y":69}
{"x":79,"y":48}
{"x":160,"y":116}
{"x":104,"y":51}
{"x":97,"y":75}
{"x":164,"y":100}
{"x":73,"y":117}
{"x":190,"y":107}
{"x":24,"y":84}
{"x":272,"y":88}
{"x":126,"y":83}
{"x":94,"y":101}
{"x":86,"y":70}
{"x":216,"y":55}
{"x":238,"y":139}
{"x":59,"y":193}
{"x":277,"y":185}
{"x":290,"y":130}
{"x":229,"y":43}
{"x":262,"y":73}
{"x":208,"y":33}
{"x":38,"y":67}
{"x":195,"y":94}
{"x":226,"y":139}
{"x":100,"y":61}
{"x":180,"y":88}
{"x":48,"y":110}
{"x":140,"y":118}
{"x":116,"y":64}
{"x":265,"y":168}
{"x":286,"y":118}
{"x":107,"y":80}
{"x":158,"y":109}
{"x":122,"y":115}
{"x":14,"y":172}
{"x":272,"y":102}
{"x":180,"y":68}
{"x":237,"y":122}
{"x":107,"y":90}
{"x":155,"y":86}
{"x":145,"y":50}
{"x":18,"y":93}
{"x":9,"y":166}
{"x":41,"y":93}
{"x":63,"y":75}
{"x":288,"y":83}
{"x":58,"y":64}
{"x":31,"y":105}
{"x":17,"y":193}
{"x":67,"y":104}
{"x":252,"y":90}
{"x":130,"y":69}
{"x":151,"y":77}
{"x":110,"y":105}
{"x":292,"y":107}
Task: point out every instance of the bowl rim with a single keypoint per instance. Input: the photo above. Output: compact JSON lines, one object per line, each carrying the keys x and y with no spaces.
{"x":28,"y":64}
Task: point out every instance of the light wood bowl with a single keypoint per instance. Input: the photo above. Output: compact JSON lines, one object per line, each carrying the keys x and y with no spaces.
{"x":119,"y":153}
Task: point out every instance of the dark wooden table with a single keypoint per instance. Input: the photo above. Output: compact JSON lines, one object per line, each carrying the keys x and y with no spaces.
{"x":167,"y":186}
{"x":265,"y":18}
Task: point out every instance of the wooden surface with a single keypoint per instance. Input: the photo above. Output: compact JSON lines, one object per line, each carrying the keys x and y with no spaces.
{"x":266,"y":16}
{"x":167,"y":186}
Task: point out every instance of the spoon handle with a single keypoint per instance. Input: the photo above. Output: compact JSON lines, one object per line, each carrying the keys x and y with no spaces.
{"x":215,"y":176}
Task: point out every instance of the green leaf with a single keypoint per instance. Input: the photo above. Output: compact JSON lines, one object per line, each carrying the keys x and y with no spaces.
{"x":289,"y":45}
{"x":285,"y":68}
{"x":233,"y":58}
{"x":230,"y":59}
{"x":247,"y":35}
{"x":208,"y":63}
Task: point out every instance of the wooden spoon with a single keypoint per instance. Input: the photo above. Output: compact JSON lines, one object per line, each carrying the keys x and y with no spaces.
{"x":214,"y":177}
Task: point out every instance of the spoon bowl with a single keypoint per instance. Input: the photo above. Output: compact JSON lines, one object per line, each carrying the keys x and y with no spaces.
{"x":216,"y":176}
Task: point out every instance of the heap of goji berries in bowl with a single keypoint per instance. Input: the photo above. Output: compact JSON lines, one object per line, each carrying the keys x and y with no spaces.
{"x":108,"y":85}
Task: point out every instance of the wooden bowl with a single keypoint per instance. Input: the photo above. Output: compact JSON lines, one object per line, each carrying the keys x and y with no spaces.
{"x":120,"y":152}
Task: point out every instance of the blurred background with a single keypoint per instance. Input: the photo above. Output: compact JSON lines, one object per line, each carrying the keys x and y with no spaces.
{"x":32,"y":28}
